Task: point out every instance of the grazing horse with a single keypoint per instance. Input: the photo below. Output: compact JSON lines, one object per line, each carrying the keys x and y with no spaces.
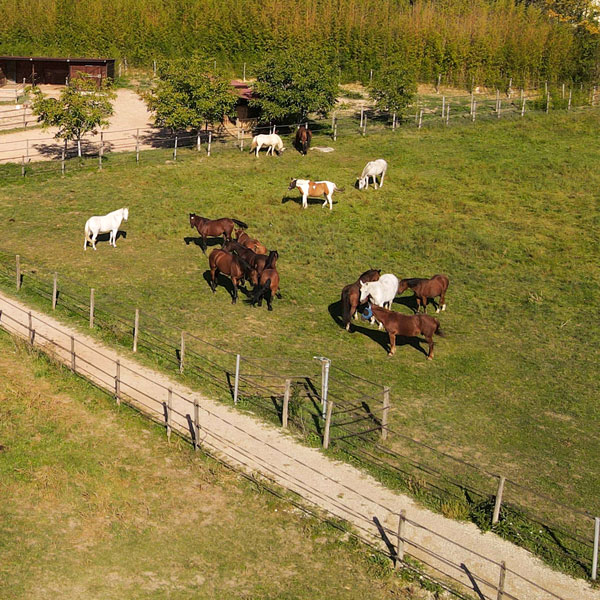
{"x":258,"y":261}
{"x":272,"y":140}
{"x":214,"y":227}
{"x":382,"y":292}
{"x":351,"y":295}
{"x":425,"y":289}
{"x":303,"y":139}
{"x":315,"y":189}
{"x":107,"y":223}
{"x":245,"y":240}
{"x":372,"y":170}
{"x":405,"y":325}
{"x":267,"y":287}
{"x":236,"y":267}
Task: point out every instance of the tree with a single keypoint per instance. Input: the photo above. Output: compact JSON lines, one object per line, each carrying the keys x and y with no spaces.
{"x":83,"y":105}
{"x":188,"y":96}
{"x":394,"y":87}
{"x":294,"y":83}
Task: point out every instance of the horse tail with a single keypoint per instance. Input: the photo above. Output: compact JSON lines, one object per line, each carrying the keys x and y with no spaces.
{"x":253,"y":145}
{"x":337,"y":189}
{"x":438,"y":331}
{"x":240,"y":223}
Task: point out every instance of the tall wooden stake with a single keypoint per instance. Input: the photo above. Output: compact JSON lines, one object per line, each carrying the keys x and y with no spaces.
{"x":54,"y":290}
{"x":136,"y":326}
{"x":498,"y":503}
{"x":400,"y":539}
{"x":91,"y":308}
{"x":384,"y":413}
{"x":286,"y":403}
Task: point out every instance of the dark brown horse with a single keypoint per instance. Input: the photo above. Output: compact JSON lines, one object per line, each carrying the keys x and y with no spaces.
{"x":303,"y":139}
{"x":405,"y":325}
{"x":236,"y":267}
{"x":425,"y":289}
{"x":258,"y":261}
{"x":245,"y":240}
{"x":351,"y":296}
{"x":267,"y":287}
{"x":214,"y":228}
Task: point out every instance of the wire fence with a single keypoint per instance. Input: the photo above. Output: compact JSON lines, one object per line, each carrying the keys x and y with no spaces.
{"x":411,"y":546}
{"x":357,"y":427}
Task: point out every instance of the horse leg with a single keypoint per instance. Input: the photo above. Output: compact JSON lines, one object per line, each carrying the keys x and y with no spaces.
{"x":269,"y":299}
{"x":443,"y":299}
{"x":392,"y":343}
{"x":305,"y":200}
{"x":424,"y":301}
{"x":213,"y":279}
{"x":114,"y":237}
{"x":375,"y":181}
{"x":94,"y":236}
{"x":235,"y":291}
{"x":204,"y":245}
{"x":381,"y":180}
{"x":429,"y":339}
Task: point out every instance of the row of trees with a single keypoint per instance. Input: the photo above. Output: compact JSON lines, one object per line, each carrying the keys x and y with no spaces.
{"x":490,"y":40}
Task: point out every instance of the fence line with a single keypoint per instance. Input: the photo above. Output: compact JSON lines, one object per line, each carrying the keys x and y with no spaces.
{"x":366,"y":536}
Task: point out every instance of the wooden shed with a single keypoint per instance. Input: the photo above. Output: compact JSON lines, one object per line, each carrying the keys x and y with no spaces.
{"x":36,"y":70}
{"x":246,"y":116}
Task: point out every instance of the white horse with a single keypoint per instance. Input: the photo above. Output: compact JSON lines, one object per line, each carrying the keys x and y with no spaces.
{"x":108,"y":223}
{"x":382,"y":292}
{"x":314,"y":189}
{"x":372,"y":169}
{"x":271,"y":140}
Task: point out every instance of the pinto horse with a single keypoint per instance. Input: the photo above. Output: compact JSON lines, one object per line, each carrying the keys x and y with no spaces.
{"x":258,"y":261}
{"x":425,"y":289}
{"x":351,"y":296}
{"x":303,"y":139}
{"x":245,"y":240}
{"x":315,"y":189}
{"x":405,"y":325}
{"x":214,"y":227}
{"x":236,"y":267}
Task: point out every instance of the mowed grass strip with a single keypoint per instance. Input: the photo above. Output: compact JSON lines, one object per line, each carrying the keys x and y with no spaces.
{"x":95,"y":503}
{"x":507,"y":210}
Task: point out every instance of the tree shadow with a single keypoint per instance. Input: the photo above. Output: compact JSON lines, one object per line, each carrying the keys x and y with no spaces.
{"x":55,"y":150}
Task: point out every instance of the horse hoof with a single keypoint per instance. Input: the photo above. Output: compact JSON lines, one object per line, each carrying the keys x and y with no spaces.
{"x":438,"y":310}
{"x":430,"y":358}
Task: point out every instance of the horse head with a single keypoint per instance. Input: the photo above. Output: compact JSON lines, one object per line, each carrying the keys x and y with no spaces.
{"x":125,"y":213}
{"x":362,"y":183}
{"x":292,"y":183}
{"x":364,"y":290}
{"x":402,"y":286}
{"x":192,"y":220}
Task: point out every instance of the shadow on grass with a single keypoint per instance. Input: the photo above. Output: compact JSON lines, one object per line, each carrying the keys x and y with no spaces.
{"x":104,"y":237}
{"x":298,"y":200}
{"x":224,"y":281}
{"x":216,"y":241}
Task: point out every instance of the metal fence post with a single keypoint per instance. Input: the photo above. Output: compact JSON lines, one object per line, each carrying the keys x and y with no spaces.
{"x":498,"y":503}
{"x":209,"y":143}
{"x":236,"y":384}
{"x":91,"y":308}
{"x":595,"y":557}
{"x":286,"y":403}
{"x":384,"y":413}
{"x":136,"y":326}
{"x":400,"y":539}
{"x":327,"y":425}
{"x":175,"y":149}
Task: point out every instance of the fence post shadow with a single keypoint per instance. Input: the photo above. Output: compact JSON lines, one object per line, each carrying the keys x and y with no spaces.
{"x":476,"y":587}
{"x":386,"y":540}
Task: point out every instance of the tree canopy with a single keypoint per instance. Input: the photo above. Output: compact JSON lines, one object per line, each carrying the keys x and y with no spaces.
{"x":394,"y":87}
{"x":295,"y":82}
{"x":189,"y":96}
{"x":83,"y":105}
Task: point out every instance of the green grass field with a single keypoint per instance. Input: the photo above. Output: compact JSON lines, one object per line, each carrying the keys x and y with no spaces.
{"x":508,"y":210}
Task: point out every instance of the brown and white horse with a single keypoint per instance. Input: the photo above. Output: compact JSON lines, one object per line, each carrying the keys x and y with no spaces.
{"x":315,"y":189}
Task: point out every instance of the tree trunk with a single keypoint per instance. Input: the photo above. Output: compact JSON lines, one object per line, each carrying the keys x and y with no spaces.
{"x":79,"y":147}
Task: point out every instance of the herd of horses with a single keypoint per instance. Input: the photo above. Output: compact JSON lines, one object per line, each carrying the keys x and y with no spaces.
{"x":245,"y":259}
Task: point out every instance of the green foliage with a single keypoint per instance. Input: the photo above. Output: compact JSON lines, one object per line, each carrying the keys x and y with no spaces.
{"x":394,"y":88}
{"x":83,"y":106}
{"x":188,"y":96}
{"x":294,"y":83}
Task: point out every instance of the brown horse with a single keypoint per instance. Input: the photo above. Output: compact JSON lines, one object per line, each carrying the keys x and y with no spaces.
{"x":213,"y":228}
{"x":268,"y":285}
{"x":425,"y":289}
{"x":245,"y":240}
{"x":405,"y":325}
{"x":303,"y":139}
{"x":236,"y":267}
{"x":351,"y":296}
{"x":258,"y":261}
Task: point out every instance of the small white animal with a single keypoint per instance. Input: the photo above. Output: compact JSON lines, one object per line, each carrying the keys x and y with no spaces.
{"x":272,"y":140}
{"x":314,"y":189}
{"x":372,"y":169}
{"x":382,"y":292}
{"x":107,"y":223}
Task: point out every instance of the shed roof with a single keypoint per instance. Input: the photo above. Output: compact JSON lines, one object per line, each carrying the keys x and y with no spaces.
{"x":242,"y":89}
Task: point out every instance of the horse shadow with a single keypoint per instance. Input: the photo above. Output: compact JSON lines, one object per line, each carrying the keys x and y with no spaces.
{"x":105,"y":237}
{"x":213,"y":241}
{"x":409,"y":301}
{"x":224,"y":281}
{"x":380,"y":337}
{"x":298,"y":200}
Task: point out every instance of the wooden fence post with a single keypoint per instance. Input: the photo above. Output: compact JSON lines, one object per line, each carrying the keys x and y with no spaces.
{"x":443,"y":106}
{"x":365,"y":124}
{"x":91,"y":308}
{"x":362,"y":112}
{"x":400,"y":539}
{"x":54,"y":290}
{"x":118,"y":383}
{"x":420,"y":118}
{"x":547,"y":102}
{"x":286,"y":403}
{"x":327,"y":425}
{"x":73,"y":354}
{"x":523,"y":107}
{"x":498,"y":503}
{"x":198,"y":141}
{"x":384,"y":413}
{"x":18,"y":269}
{"x":595,"y":556}
{"x":30,"y":326}
{"x":236,"y":384}
{"x":499,"y":107}
{"x":137,"y":146}
{"x":570,"y":98}
{"x":100,"y":156}
{"x":136,"y":325}
{"x":181,"y":351}
{"x":242,"y":141}
{"x":168,"y":415}
{"x":196,"y":424}
{"x":474,"y":111}
{"x":209,"y":143}
{"x":448,"y":113}
{"x":500,"y":595}
{"x":22,"y":166}
{"x":175,"y":149}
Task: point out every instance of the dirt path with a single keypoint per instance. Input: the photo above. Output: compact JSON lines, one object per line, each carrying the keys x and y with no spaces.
{"x":457,"y":550}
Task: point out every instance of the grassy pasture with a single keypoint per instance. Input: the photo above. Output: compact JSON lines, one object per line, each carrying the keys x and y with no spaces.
{"x":507,"y":210}
{"x":97,"y":504}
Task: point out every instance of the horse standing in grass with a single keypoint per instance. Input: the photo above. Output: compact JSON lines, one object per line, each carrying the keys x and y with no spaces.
{"x":258,"y":261}
{"x":220,"y":261}
{"x":268,"y":285}
{"x":214,"y":227}
{"x":351,"y":296}
{"x":382,"y":292}
{"x":315,"y":189}
{"x":373,"y":169}
{"x":425,"y":289}
{"x":303,"y":139}
{"x":245,"y":240}
{"x":272,"y":140}
{"x":105,"y":224}
{"x":405,"y":325}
